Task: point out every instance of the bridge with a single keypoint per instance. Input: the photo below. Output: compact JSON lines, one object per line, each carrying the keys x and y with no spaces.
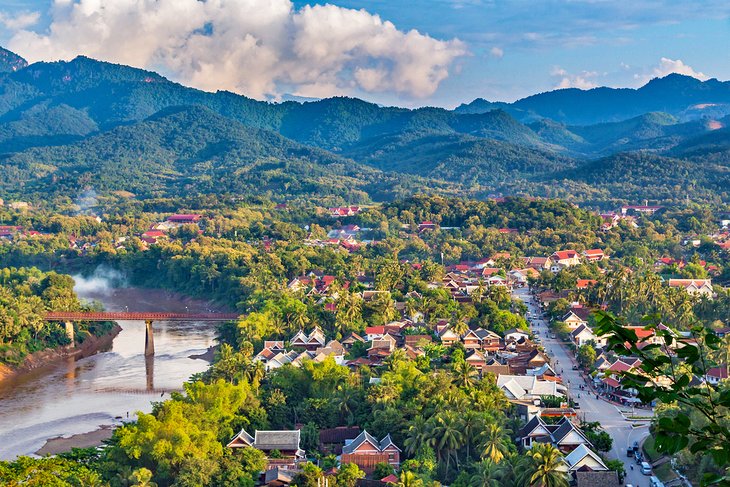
{"x":68,"y":318}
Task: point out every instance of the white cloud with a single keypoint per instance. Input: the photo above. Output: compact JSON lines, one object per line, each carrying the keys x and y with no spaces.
{"x":497,"y":52}
{"x":668,"y":66}
{"x":20,"y":20}
{"x":584,"y":80}
{"x":261,"y":48}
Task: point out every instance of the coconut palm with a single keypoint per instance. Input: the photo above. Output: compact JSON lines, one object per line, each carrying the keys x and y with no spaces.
{"x":470,"y":423}
{"x":486,"y":474}
{"x":465,"y":374}
{"x":418,"y":435}
{"x":446,"y":437}
{"x":546,"y":467}
{"x":494,"y":443}
{"x":409,"y":479}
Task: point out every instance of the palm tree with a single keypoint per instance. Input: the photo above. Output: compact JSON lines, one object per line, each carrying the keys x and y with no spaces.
{"x":396,"y":357}
{"x":486,"y":474}
{"x":546,"y":468}
{"x":471,"y":422}
{"x":142,"y":477}
{"x":409,"y":479}
{"x":344,"y":399}
{"x":465,"y":374}
{"x":460,"y":327}
{"x":446,"y":436}
{"x":494,"y":445}
{"x":418,"y":435}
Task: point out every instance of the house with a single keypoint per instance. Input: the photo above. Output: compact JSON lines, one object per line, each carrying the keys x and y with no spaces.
{"x":417,"y":340}
{"x":583,"y":458}
{"x":538,"y":263}
{"x":426,"y":225}
{"x":476,"y":359}
{"x":698,"y":287}
{"x":646,"y":209}
{"x":594,"y":255}
{"x":448,"y":337}
{"x":333,"y":439}
{"x":565,"y":258}
{"x":285,"y":442}
{"x":715,"y":375}
{"x":374,"y":332}
{"x":583,"y":334}
{"x":522,"y":387}
{"x":572,"y":320}
{"x":366,"y":451}
{"x":568,"y":437}
{"x":515,"y":334}
{"x":351,"y":339}
{"x":183,"y":219}
{"x":585,"y":283}
{"x":471,"y":340}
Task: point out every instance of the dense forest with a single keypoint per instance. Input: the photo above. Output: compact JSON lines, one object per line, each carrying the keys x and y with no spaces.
{"x":25,"y":296}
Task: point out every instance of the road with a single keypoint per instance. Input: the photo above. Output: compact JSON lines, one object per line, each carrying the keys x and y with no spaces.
{"x":591,"y":408}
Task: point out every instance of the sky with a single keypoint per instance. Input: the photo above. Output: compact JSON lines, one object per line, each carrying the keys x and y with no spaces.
{"x":394,"y":52}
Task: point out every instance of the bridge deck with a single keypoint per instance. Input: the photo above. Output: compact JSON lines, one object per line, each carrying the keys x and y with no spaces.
{"x":136,"y":316}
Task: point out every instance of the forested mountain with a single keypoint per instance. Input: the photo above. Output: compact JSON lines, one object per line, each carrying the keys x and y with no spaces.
{"x":193,"y":149}
{"x":9,"y":61}
{"x":675,"y":94}
{"x":68,"y":125}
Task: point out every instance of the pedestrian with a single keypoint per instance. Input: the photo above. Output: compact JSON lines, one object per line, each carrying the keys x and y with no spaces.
{"x":632,"y":466}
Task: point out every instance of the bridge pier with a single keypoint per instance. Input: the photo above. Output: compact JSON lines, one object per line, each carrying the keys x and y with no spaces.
{"x":149,"y":369}
{"x":70,"y":331}
{"x":149,"y":339}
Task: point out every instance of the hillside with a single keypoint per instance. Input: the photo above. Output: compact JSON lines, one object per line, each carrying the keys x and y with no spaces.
{"x":192,"y":149}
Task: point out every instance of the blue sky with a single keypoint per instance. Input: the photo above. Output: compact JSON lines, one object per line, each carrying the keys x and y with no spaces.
{"x":495,"y":49}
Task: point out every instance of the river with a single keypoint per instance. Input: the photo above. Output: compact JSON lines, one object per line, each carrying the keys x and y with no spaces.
{"x":78,"y":396}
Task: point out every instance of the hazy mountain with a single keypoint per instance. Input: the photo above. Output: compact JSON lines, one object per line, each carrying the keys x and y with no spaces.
{"x":675,"y":94}
{"x":9,"y":61}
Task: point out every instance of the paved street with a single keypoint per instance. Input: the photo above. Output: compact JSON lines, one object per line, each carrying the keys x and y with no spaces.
{"x":591,"y":408}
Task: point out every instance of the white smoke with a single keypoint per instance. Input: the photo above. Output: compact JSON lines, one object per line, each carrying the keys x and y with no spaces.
{"x":101,"y":283}
{"x":261,"y":48}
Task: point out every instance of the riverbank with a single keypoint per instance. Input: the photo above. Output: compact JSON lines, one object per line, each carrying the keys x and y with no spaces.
{"x":60,"y":444}
{"x":51,"y":357}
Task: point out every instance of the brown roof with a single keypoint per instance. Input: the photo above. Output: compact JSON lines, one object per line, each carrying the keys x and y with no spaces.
{"x":339,"y":434}
{"x":596,"y":479}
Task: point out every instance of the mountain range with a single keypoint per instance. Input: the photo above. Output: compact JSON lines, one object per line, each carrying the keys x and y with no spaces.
{"x":69,"y":125}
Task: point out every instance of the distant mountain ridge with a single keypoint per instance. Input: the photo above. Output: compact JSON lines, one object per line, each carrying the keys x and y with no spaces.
{"x":10,"y":62}
{"x":57,"y":118}
{"x":675,"y":94}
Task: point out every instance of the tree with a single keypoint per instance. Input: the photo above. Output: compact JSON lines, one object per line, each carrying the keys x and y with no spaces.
{"x":586,"y":355}
{"x":486,"y":474}
{"x":409,"y":479}
{"x":382,"y":470}
{"x":493,"y":443}
{"x":465,"y":374}
{"x":700,"y":423}
{"x":349,"y":474}
{"x":142,"y":477}
{"x":546,"y":467}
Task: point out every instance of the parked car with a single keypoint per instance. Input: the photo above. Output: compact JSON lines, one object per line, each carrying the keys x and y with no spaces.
{"x":576,"y":405}
{"x":630,"y":452}
{"x":645,"y":468}
{"x":655,"y":482}
{"x":552,"y":335}
{"x":575,"y":367}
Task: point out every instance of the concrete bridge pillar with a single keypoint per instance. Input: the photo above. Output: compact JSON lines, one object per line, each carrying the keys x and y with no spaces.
{"x":149,"y":339}
{"x":70,"y":331}
{"x":149,"y":369}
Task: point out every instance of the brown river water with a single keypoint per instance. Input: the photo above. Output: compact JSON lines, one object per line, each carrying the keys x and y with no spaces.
{"x":78,"y":396}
